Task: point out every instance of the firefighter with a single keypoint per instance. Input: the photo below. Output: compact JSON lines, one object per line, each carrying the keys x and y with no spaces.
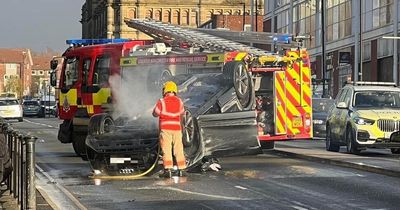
{"x":170,"y":109}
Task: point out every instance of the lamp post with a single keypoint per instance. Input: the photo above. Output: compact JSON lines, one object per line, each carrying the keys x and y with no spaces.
{"x":323,"y":49}
{"x":244,"y":14}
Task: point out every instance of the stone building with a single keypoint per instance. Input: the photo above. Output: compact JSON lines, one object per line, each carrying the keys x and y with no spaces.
{"x":105,"y":18}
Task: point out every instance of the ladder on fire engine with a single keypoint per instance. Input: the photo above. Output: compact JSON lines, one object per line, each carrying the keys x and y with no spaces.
{"x":200,"y":38}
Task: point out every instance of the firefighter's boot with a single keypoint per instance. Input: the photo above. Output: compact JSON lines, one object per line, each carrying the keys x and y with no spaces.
{"x":182,"y":173}
{"x":166,"y":174}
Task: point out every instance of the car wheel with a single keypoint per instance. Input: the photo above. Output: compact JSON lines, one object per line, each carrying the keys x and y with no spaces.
{"x":351,"y":144}
{"x":20,"y":119}
{"x":79,"y":145}
{"x":329,"y":143}
{"x":395,"y":151}
{"x":236,"y":73}
{"x":192,"y":144}
{"x":100,"y":124}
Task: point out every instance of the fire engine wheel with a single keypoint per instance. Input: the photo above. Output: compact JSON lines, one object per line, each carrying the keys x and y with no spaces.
{"x":100,"y":124}
{"x":267,"y":144}
{"x":79,"y":145}
{"x":192,"y":144}
{"x":236,"y":72}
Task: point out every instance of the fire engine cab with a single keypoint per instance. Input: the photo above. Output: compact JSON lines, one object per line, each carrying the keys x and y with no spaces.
{"x":83,"y":86}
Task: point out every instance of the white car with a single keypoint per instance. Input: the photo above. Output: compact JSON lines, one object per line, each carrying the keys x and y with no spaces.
{"x":10,"y":108}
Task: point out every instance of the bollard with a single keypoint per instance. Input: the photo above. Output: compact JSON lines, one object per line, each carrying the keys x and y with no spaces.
{"x":30,"y":172}
{"x":22,"y":168}
{"x":15,"y":162}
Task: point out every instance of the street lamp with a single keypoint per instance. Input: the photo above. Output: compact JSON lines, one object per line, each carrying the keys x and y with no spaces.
{"x":244,"y":14}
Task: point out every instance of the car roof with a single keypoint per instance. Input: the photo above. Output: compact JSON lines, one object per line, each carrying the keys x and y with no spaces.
{"x":373,"y":87}
{"x":7,"y":99}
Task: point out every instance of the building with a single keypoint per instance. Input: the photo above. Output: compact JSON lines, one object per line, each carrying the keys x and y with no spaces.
{"x":41,"y":76}
{"x":343,"y":22}
{"x":105,"y":18}
{"x":233,"y":23}
{"x":15,"y":64}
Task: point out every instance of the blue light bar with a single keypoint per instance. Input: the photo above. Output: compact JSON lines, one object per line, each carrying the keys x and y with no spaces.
{"x":94,"y":41}
{"x":282,"y":38}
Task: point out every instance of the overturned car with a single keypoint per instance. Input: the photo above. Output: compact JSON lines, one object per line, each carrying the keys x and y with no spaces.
{"x":219,"y":119}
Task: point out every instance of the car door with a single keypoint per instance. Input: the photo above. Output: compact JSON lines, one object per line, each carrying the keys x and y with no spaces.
{"x":344,"y":116}
{"x":334,"y":121}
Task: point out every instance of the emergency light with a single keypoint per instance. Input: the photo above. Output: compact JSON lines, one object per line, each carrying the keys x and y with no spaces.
{"x":282,"y":38}
{"x":94,"y":41}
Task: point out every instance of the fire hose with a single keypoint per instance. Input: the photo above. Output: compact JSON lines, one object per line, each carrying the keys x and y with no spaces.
{"x":136,"y":176}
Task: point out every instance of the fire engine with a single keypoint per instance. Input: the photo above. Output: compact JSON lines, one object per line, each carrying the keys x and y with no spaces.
{"x":261,"y":96}
{"x":83,"y":87}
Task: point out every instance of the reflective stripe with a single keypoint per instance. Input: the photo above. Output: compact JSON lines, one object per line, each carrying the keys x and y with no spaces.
{"x":164,"y":112}
{"x":170,"y":123}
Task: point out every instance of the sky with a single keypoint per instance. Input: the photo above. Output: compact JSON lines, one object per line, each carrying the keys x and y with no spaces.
{"x":39,"y":24}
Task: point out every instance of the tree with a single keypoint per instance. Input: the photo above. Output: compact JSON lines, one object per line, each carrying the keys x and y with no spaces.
{"x":13,"y":85}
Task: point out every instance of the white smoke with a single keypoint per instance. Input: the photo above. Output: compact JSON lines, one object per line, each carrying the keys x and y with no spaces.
{"x":135,"y":92}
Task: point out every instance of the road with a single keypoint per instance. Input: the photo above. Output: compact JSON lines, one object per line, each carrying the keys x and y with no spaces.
{"x":265,"y":181}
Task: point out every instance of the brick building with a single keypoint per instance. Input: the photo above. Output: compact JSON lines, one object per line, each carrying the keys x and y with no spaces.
{"x":16,"y":63}
{"x":41,"y":75}
{"x":233,"y":22}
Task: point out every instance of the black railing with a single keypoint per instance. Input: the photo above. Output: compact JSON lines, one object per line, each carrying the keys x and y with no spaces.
{"x":21,"y":181}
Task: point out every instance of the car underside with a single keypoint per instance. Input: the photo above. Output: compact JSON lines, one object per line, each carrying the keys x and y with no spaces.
{"x":219,"y":120}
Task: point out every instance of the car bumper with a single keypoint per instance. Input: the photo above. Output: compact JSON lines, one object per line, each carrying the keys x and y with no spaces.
{"x":11,"y":115}
{"x":372,"y":137}
{"x":31,"y":112}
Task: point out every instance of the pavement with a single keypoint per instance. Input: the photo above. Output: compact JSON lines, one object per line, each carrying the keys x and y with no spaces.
{"x":8,"y":202}
{"x":376,"y":162}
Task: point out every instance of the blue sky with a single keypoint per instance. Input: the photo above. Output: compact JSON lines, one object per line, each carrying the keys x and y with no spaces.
{"x":39,"y":24}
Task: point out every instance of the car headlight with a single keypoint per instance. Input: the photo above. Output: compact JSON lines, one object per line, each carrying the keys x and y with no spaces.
{"x":318,"y":122}
{"x":363,"y":121}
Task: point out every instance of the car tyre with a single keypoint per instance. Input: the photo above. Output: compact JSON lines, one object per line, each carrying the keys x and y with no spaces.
{"x":100,"y":124}
{"x":20,"y":119}
{"x":351,"y":144}
{"x":236,"y":73}
{"x":192,"y":144}
{"x":329,"y":143}
{"x":395,"y":151}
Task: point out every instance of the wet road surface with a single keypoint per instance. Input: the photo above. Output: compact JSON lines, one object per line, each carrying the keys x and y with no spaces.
{"x":266,"y":181}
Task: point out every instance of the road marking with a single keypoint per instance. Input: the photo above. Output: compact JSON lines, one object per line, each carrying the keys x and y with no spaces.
{"x":41,"y":124}
{"x":240,"y":187}
{"x":193,"y":193}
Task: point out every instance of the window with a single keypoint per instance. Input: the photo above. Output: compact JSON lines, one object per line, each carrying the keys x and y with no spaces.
{"x":101,"y":70}
{"x":41,"y":72}
{"x":71,"y":72}
{"x":85,"y":70}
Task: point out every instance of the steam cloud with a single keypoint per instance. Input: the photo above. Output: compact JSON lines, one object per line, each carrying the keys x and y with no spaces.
{"x":135,"y":93}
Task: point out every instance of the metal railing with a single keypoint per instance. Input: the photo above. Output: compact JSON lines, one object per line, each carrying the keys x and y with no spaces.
{"x":21,"y":182}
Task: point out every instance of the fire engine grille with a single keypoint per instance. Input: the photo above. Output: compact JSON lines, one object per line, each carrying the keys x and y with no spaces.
{"x":388,"y":125}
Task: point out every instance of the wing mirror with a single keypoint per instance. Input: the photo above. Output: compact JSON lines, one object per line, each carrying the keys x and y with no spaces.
{"x":53,"y":78}
{"x":342,"y":105}
{"x":53,"y":64}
